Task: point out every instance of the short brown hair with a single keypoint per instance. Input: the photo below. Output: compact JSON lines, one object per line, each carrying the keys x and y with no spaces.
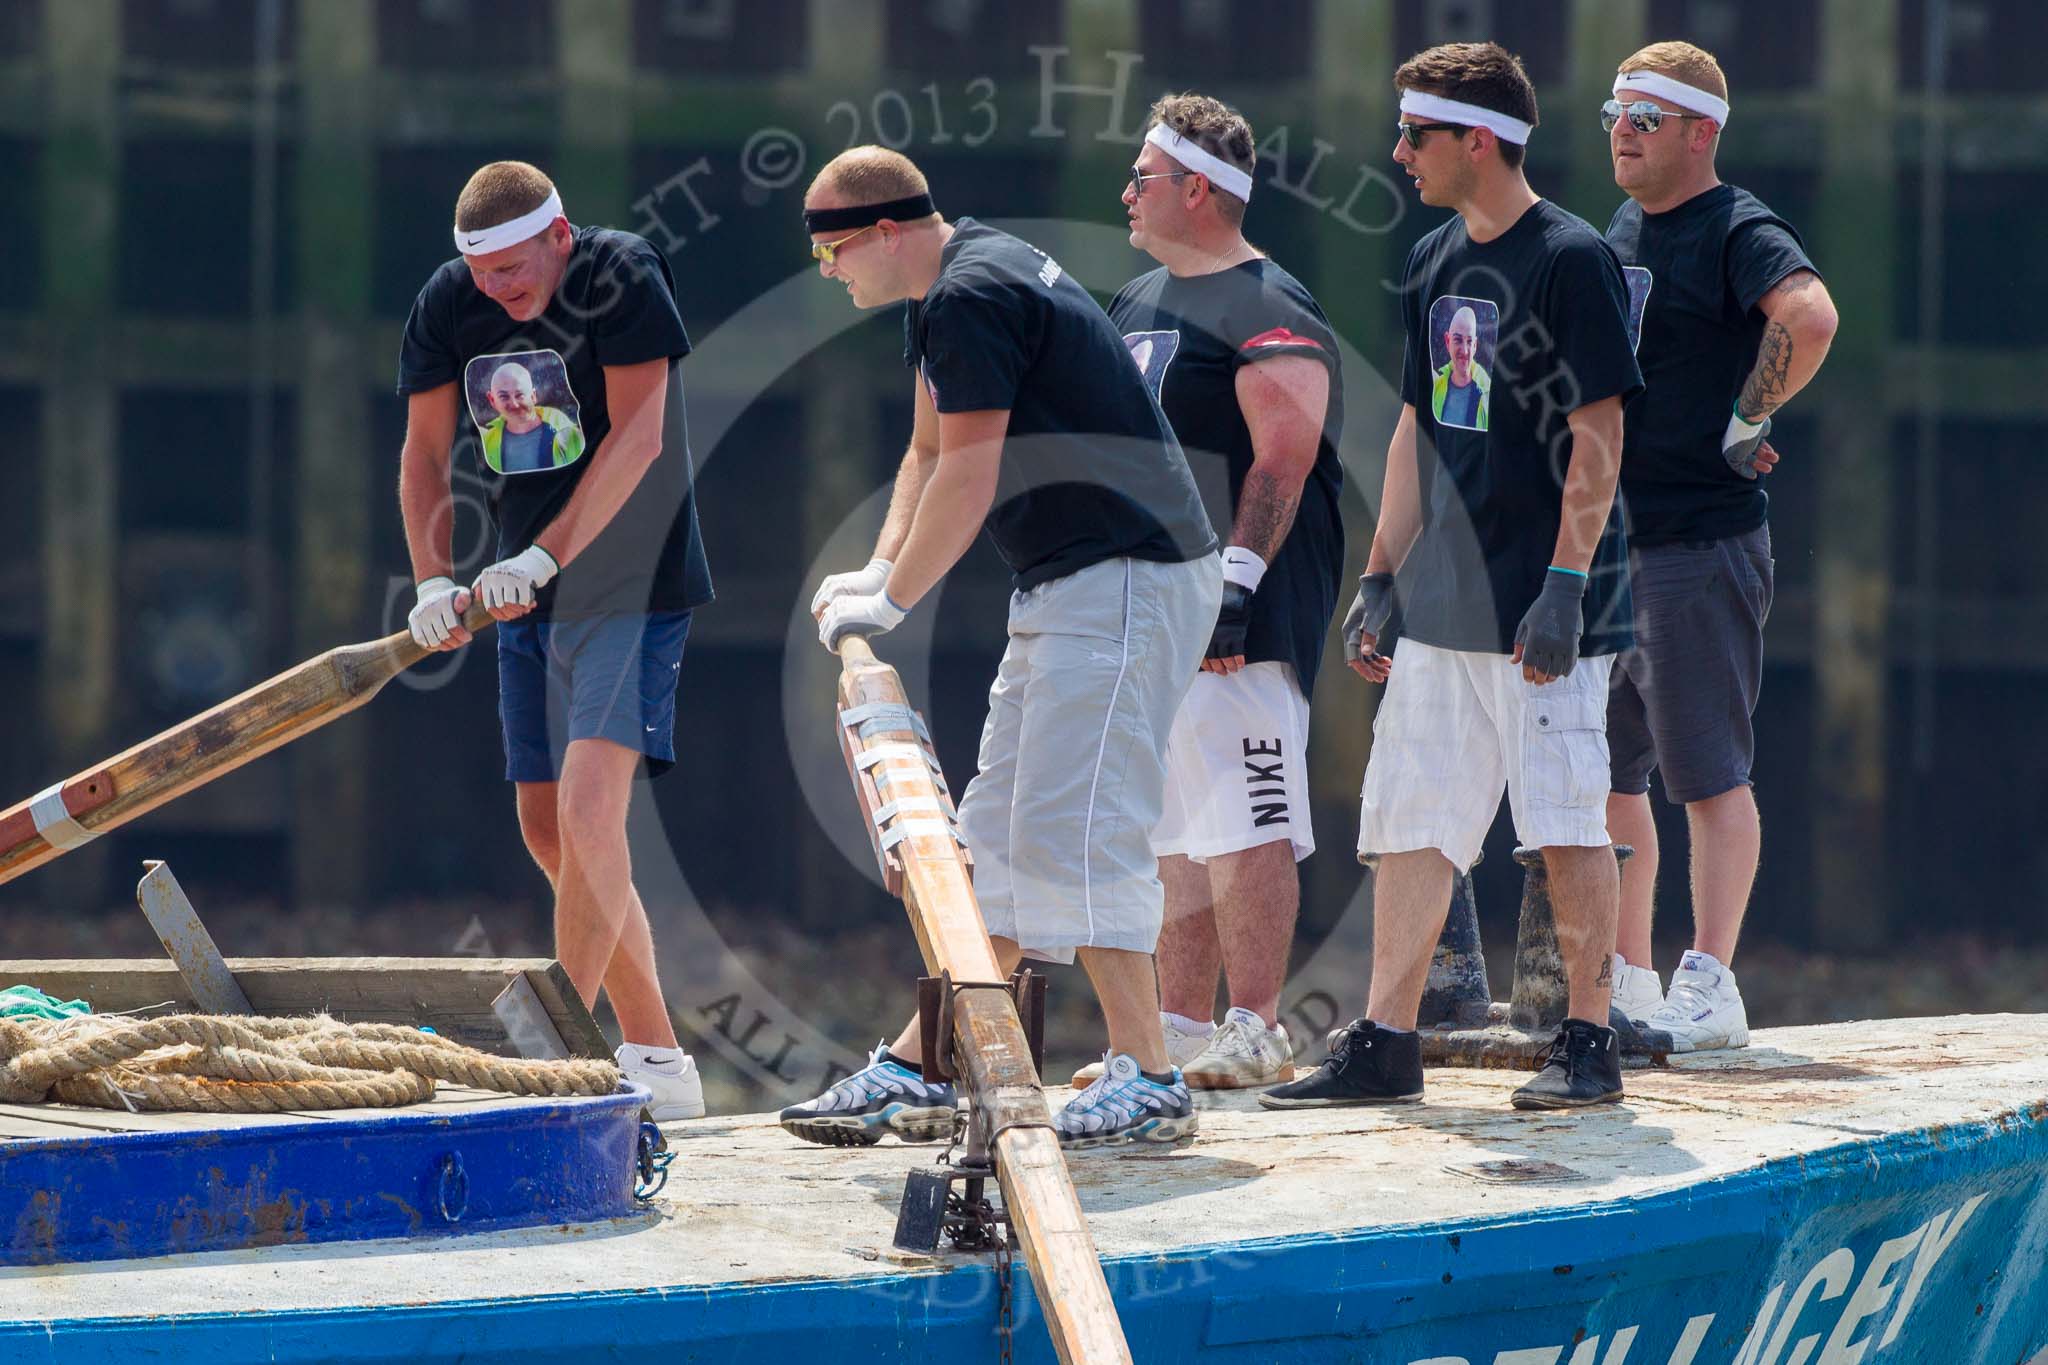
{"x":1681,"y":62}
{"x":1217,"y":129}
{"x":871,"y":175}
{"x":500,"y":192}
{"x":1485,"y":74}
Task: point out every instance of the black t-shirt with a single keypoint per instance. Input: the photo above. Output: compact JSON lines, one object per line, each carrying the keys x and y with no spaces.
{"x":1536,"y":321}
{"x":1190,"y":335}
{"x":1705,"y":265}
{"x":534,"y":395}
{"x":1090,"y":468}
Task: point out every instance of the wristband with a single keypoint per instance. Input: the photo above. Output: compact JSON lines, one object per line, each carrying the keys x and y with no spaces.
{"x":1575,"y":573}
{"x":1740,"y":430}
{"x":1242,"y":567}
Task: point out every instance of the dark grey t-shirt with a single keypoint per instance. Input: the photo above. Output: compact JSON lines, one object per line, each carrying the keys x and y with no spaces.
{"x":1705,"y":264}
{"x":1090,"y":470}
{"x":1544,"y":311}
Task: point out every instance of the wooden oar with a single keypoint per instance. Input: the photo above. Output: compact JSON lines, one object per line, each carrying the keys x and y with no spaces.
{"x":989,"y":1038}
{"x":190,"y":755}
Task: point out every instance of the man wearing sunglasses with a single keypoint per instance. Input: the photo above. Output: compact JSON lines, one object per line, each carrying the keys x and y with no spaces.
{"x":1031,"y":419}
{"x":1736,"y":322}
{"x":1245,"y":365}
{"x":1513,"y":578}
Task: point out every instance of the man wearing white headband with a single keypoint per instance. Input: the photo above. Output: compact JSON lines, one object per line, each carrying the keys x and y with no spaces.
{"x":1736,"y":322}
{"x":1245,"y":365}
{"x":599,"y":564}
{"x":1513,"y":582}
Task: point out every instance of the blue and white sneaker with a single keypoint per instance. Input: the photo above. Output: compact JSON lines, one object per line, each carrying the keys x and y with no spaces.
{"x":882,"y":1097}
{"x":1122,"y":1106}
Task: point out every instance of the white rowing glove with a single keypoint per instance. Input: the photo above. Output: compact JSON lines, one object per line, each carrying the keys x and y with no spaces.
{"x":870,"y":614}
{"x":512,"y":582}
{"x":435,"y":614}
{"x":859,"y":583}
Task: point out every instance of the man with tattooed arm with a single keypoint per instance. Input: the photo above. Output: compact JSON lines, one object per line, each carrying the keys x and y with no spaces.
{"x":1735,"y":322}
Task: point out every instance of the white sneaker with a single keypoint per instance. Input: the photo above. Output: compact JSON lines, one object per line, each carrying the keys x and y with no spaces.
{"x":1703,"y":1009}
{"x":1182,"y":1047}
{"x":1242,"y":1052}
{"x":1638,"y":991}
{"x":678,"y":1091}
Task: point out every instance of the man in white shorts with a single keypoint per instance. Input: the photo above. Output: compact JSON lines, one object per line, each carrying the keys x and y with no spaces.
{"x":1031,"y":420}
{"x":1516,"y":583}
{"x":1245,"y":365}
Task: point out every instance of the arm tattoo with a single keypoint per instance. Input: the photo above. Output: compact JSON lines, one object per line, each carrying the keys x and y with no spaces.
{"x":1265,"y":511}
{"x":1764,"y":390}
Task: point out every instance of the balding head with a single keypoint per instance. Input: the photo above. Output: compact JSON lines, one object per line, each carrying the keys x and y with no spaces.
{"x":511,"y":395}
{"x":1461,"y":342}
{"x":865,"y":175}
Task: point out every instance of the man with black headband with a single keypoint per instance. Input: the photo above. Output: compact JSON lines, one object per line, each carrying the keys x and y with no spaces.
{"x":1245,"y":365}
{"x":599,"y":563}
{"x":1031,"y":419}
{"x":1513,"y":579}
{"x":1736,"y":322}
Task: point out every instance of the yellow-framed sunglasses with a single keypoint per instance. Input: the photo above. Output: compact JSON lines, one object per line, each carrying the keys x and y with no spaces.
{"x":828,"y":252}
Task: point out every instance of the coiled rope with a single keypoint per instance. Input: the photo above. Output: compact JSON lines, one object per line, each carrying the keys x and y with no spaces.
{"x":252,"y":1065}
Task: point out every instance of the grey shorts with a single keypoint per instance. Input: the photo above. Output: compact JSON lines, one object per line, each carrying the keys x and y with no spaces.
{"x":1072,"y":773}
{"x":1682,"y":698}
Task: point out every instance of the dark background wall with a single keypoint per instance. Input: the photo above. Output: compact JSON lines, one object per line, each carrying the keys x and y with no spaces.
{"x":214,"y":215}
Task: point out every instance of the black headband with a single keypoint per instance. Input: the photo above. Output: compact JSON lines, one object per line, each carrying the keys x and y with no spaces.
{"x":838,"y":220}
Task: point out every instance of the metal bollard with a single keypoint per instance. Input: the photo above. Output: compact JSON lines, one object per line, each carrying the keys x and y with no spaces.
{"x":1457,"y":994}
{"x":1538,"y":1002}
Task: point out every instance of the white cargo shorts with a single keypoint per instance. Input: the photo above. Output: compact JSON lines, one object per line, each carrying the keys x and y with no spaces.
{"x":1072,"y":770}
{"x":1455,"y":727}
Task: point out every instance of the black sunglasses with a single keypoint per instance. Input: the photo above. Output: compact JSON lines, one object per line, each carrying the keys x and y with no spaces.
{"x":1414,"y":131}
{"x":1643,"y":116}
{"x":1138,"y":179}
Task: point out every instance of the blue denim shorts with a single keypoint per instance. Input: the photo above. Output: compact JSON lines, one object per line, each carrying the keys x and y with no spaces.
{"x":600,"y":677}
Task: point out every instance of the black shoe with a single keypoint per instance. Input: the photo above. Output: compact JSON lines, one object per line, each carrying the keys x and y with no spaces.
{"x":1366,"y":1065}
{"x":1581,"y":1066}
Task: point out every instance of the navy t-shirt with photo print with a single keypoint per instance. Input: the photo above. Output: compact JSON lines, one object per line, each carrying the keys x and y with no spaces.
{"x":1492,"y":500}
{"x":615,"y":306}
{"x":1191,"y":335}
{"x":1090,"y":468}
{"x":1709,"y":261}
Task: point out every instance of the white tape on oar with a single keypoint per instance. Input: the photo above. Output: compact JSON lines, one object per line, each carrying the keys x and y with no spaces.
{"x":53,"y":820}
{"x":911,"y":829}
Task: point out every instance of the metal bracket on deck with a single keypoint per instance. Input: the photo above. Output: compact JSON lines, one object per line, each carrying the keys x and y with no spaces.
{"x":932,"y":1210}
{"x":184,"y":937}
{"x":936,"y":998}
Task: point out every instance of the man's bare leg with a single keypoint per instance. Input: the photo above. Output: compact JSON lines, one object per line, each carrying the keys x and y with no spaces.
{"x":1631,"y":821}
{"x":601,"y":931}
{"x":1127,"y":985}
{"x":1258,"y":896}
{"x":538,"y":803}
{"x":909,"y":1044}
{"x":1585,"y":898}
{"x":1727,"y":840}
{"x":1411,"y":897}
{"x":1190,"y":959}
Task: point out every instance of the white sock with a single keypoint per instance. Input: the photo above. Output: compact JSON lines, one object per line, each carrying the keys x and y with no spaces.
{"x":662,"y":1061}
{"x":1200,"y":1028}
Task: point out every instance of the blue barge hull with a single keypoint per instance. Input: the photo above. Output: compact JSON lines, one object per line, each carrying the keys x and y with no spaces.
{"x":1880,"y":1241}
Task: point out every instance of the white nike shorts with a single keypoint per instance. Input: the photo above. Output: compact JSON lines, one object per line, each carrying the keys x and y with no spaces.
{"x":1072,"y":769}
{"x":1455,"y":727}
{"x":1237,"y":766}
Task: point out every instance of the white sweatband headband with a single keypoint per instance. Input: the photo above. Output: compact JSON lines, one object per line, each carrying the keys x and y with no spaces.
{"x":53,"y":819}
{"x":1221,"y":173}
{"x":1678,"y":92}
{"x":1470,"y":115}
{"x":1242,"y":567}
{"x":483,"y":241}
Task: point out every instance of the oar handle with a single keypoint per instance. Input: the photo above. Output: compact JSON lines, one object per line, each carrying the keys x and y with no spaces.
{"x":854,"y":650}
